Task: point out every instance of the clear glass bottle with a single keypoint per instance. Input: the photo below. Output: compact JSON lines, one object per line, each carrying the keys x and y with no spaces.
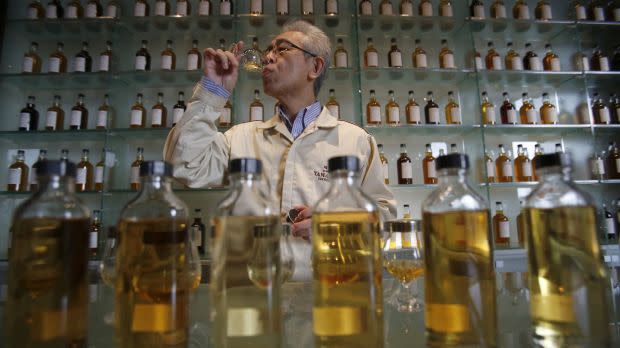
{"x":143,"y":58}
{"x":521,"y":10}
{"x":138,"y":113}
{"x":74,"y":9}
{"x":198,"y":231}
{"x":157,"y":264}
{"x":508,"y":111}
{"x":551,"y":61}
{"x":49,"y":256}
{"x":384,"y":164}
{"x":84,"y":173}
{"x":183,"y":8}
{"x":35,"y":10}
{"x":373,"y":110}
{"x":256,"y":108}
{"x":93,"y":234}
{"x":419,"y":56}
{"x":371,"y":55}
{"x":453,"y":110}
{"x":476,"y":9}
{"x":332,"y":104}
{"x":159,"y":113}
{"x":548,"y":112}
{"x":83,"y":62}
{"x":600,"y":111}
{"x":105,"y":58}
{"x":57,"y":60}
{"x":457,"y":241}
{"x":34,"y":182}
{"x":498,"y":9}
{"x":29,"y":116}
{"x":412,"y":110}
{"x":404,"y":167}
{"x":431,"y":110}
{"x":501,"y":227}
{"x":446,"y":9}
{"x":385,"y":8}
{"x":168,"y":57}
{"x":446,"y":57}
{"x":246,"y":269}
{"x":18,"y":174}
{"x":513,"y":59}
{"x":79,"y":115}
{"x":425,"y":8}
{"x":429,"y":169}
{"x":134,"y":173}
{"x":488,"y":110}
{"x":568,"y":277}
{"x":179,"y":108}
{"x":493,"y":60}
{"x":100,"y":172}
{"x":341,"y":59}
{"x":392,"y":111}
{"x":93,"y":9}
{"x":543,"y":11}
{"x":347,"y":271}
{"x":503,"y":165}
{"x":527,"y":111}
{"x":54,"y":10}
{"x":32,"y":61}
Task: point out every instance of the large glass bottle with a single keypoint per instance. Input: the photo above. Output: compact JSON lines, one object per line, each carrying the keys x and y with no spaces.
{"x":47,"y":304}
{"x":157,"y":264}
{"x":568,"y":280}
{"x":246,"y":269}
{"x":346,"y":260}
{"x":460,"y":279}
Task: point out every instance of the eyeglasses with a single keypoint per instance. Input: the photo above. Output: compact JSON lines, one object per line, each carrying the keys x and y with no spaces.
{"x":283,"y":45}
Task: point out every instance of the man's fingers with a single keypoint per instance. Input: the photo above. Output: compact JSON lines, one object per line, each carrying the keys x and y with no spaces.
{"x":302,"y":229}
{"x":304,"y":212}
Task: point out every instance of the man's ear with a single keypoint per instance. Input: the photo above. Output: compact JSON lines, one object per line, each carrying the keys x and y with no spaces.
{"x":317,"y":67}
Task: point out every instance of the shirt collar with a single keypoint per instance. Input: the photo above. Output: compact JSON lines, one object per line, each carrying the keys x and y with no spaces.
{"x":304,"y":117}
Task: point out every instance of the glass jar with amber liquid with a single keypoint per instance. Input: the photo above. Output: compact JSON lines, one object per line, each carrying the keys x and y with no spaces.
{"x":159,"y":113}
{"x":501,"y":227}
{"x":138,"y":113}
{"x":57,"y":60}
{"x":431,"y":110}
{"x":395,"y":58}
{"x":404,"y":167}
{"x":392,"y":111}
{"x":548,"y":112}
{"x":487,"y":109}
{"x":79,"y":115}
{"x":508,"y":111}
{"x":453,"y":110}
{"x":32,"y":61}
{"x":84,"y":173}
{"x":48,"y":259}
{"x":373,"y":110}
{"x":332,"y":104}
{"x":429,"y":170}
{"x":446,"y":57}
{"x":412,"y":110}
{"x":34,"y":182}
{"x":568,"y":280}
{"x":346,"y":262}
{"x":134,"y":173}
{"x":55,"y":116}
{"x":493,"y":60}
{"x":18,"y":174}
{"x":371,"y":55}
{"x":458,"y":255}
{"x":513,"y":59}
{"x":503,"y":166}
{"x":168,"y":57}
{"x":527,"y":111}
{"x":419,"y":56}
{"x":551,"y":61}
{"x":523,"y":165}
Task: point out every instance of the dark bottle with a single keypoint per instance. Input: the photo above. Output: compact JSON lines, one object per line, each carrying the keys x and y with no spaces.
{"x":508,"y":111}
{"x":83,"y":61}
{"x":143,"y":58}
{"x":198,"y":232}
{"x":54,"y":10}
{"x":34,"y":183}
{"x":79,"y":114}
{"x":93,"y":234}
{"x":431,"y":110}
{"x":29,"y":116}
{"x":405,"y":169}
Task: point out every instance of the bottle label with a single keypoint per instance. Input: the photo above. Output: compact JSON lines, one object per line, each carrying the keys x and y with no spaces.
{"x":600,"y":166}
{"x":478,"y":63}
{"x":497,"y":63}
{"x":71,"y":12}
{"x":550,"y":115}
{"x":140,"y":63}
{"x":80,"y":177}
{"x":111,"y":11}
{"x":32,"y":13}
{"x":24,"y":120}
{"x":15,"y":175}
{"x":367,"y":8}
{"x":27,"y":64}
{"x":256,"y":113}
{"x":102,"y":118}
{"x":446,"y":10}
{"x":192,"y":61}
{"x":225,"y":117}
{"x":307,"y":7}
{"x":511,"y":116}
{"x":79,"y":64}
{"x":386,"y":9}
{"x":104,"y":62}
{"x":431,"y":169}
{"x":92,"y":244}
{"x":580,"y":12}
{"x":50,"y":12}
{"x":526,"y":168}
{"x":182,"y":8}
{"x":166,"y":62}
{"x":479,"y":11}
{"x":76,"y":118}
{"x":523,"y":12}
{"x":490,"y":169}
{"x":555,"y":64}
{"x":99,"y":174}
{"x":203,"y":8}
{"x":91,"y":11}
{"x":50,"y":119}
{"x":386,"y":171}
{"x":420,"y":61}
{"x":139,"y":10}
{"x":585,"y":63}
{"x":393,"y":115}
{"x":517,"y":64}
{"x":532,"y":116}
{"x":160,"y":8}
{"x":427,"y":9}
{"x":611,"y":226}
{"x":604,"y":63}
{"x":603,"y":115}
{"x":156,"y":117}
{"x":33,"y":178}
{"x":135,"y":175}
{"x":225,"y":8}
{"x":406,"y":170}
{"x":455,"y":112}
{"x":617,"y":165}
{"x":54,"y":65}
{"x":332,"y":6}
{"x":599,"y":14}
{"x":507,"y":169}
{"x":375,"y":114}
{"x":136,"y":117}
{"x":490,"y":115}
{"x":413,"y":116}
{"x":406,"y":9}
{"x":373,"y":59}
{"x":546,"y":12}
{"x":504,"y":229}
{"x":448,"y":61}
{"x":334,"y":110}
{"x":396,"y":60}
{"x":535,"y":64}
{"x":341,"y":60}
{"x":616,"y":14}
{"x":433,"y":115}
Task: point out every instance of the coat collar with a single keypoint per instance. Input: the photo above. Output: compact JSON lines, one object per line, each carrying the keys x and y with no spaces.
{"x":325,"y":120}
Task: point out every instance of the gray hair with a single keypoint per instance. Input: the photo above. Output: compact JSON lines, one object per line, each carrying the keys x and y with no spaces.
{"x":316,"y":42}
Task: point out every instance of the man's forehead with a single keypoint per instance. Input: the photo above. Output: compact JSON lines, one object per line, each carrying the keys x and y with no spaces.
{"x":292,"y":36}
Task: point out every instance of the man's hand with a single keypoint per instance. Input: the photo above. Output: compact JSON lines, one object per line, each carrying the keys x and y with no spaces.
{"x":222,"y":67}
{"x":302,"y":225}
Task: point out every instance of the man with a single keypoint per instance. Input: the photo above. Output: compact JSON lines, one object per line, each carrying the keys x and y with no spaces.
{"x":294,"y":145}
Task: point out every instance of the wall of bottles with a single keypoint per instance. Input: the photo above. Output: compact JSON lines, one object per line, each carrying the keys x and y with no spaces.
{"x":450,"y":74}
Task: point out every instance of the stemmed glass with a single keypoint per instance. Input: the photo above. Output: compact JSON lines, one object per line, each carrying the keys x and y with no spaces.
{"x":403,"y":258}
{"x":251,"y":59}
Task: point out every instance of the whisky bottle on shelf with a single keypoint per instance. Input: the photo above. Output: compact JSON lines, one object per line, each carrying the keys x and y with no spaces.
{"x":282,"y":7}
{"x":527,"y":111}
{"x":543,"y":11}
{"x":194,"y":58}
{"x":183,"y":8}
{"x":138,"y":114}
{"x":162,"y":8}
{"x":113,"y":10}
{"x":100,"y":172}
{"x":57,"y":60}
{"x":489,"y":164}
{"x":614,"y":107}
{"x":256,"y":108}
{"x":431,"y":110}
{"x":609,"y":225}
{"x":395,"y":59}
{"x":446,"y":57}
{"x":493,"y":60}
{"x":54,"y":10}
{"x":419,"y":56}
{"x":385,"y":8}
{"x":331,"y":7}
{"x":615,"y":62}
{"x":134,"y":173}
{"x":508,"y":111}
{"x":425,"y":8}
{"x":93,"y":9}
{"x":74,"y":10}
{"x":373,"y":110}
{"x":404,"y":167}
{"x":32,"y":61}
{"x":205,"y":7}
{"x":64,"y":155}
{"x":406,"y":8}
{"x":168,"y":58}
{"x":371,"y":55}
{"x":412,"y":110}
{"x":141,"y":8}
{"x":143,"y":58}
{"x":488,"y":110}
{"x":476,"y":9}
{"x":225,"y":8}
{"x":105,"y":58}
{"x":93,"y":234}
{"x":392,"y":111}
{"x":498,"y":9}
{"x":501,"y":227}
{"x":521,"y":10}
{"x":613,"y":161}
{"x":198,"y":232}
{"x":596,"y":11}
{"x":538,"y":151}
{"x":384,"y":164}
{"x":18,"y":174}
{"x":559,"y":148}
{"x":55,"y":116}
{"x":503,"y":166}
{"x":104,"y":114}
{"x":600,"y":111}
{"x":429,"y":171}
{"x":445,"y":8}
{"x":548,"y":112}
{"x":83,"y":62}
{"x":29,"y":116}
{"x":84,"y":173}
{"x":332,"y":104}
{"x":597,"y":166}
{"x":513,"y":59}
{"x":551,"y":62}
{"x":307,"y":7}
{"x":407,"y":213}
{"x":34,"y":182}
{"x":225,"y":119}
{"x":341,"y":59}
{"x":453,"y":110}
{"x":478,"y":61}
{"x":159,"y":113}
{"x":613,"y":9}
{"x":599,"y":61}
{"x":531,"y":60}
{"x":179,"y":108}
{"x":35,"y":10}
{"x":365,"y":8}
{"x":524,"y":170}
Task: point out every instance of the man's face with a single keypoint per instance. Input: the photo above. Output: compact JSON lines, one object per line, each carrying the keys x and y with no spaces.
{"x":287,"y":68}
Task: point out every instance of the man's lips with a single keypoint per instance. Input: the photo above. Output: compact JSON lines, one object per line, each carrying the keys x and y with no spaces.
{"x":266,"y":72}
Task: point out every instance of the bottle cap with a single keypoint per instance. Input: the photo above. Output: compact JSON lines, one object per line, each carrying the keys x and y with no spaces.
{"x":561,"y":159}
{"x":56,"y":167}
{"x":350,"y":163}
{"x":155,"y":168}
{"x":245,"y":165}
{"x":453,"y":160}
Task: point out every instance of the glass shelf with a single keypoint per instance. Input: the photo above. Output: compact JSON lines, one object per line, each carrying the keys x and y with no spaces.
{"x":529,"y":129}
{"x":598,"y":24}
{"x":412,"y":186}
{"x":18,"y":195}
{"x":415,"y":23}
{"x":269,"y":20}
{"x":418,"y":74}
{"x":91,"y":80}
{"x":603,"y":79}
{"x":431,"y":130}
{"x":113,"y":192}
{"x":53,"y":136}
{"x":554,"y":78}
{"x":525,"y":27}
{"x":534,"y":183}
